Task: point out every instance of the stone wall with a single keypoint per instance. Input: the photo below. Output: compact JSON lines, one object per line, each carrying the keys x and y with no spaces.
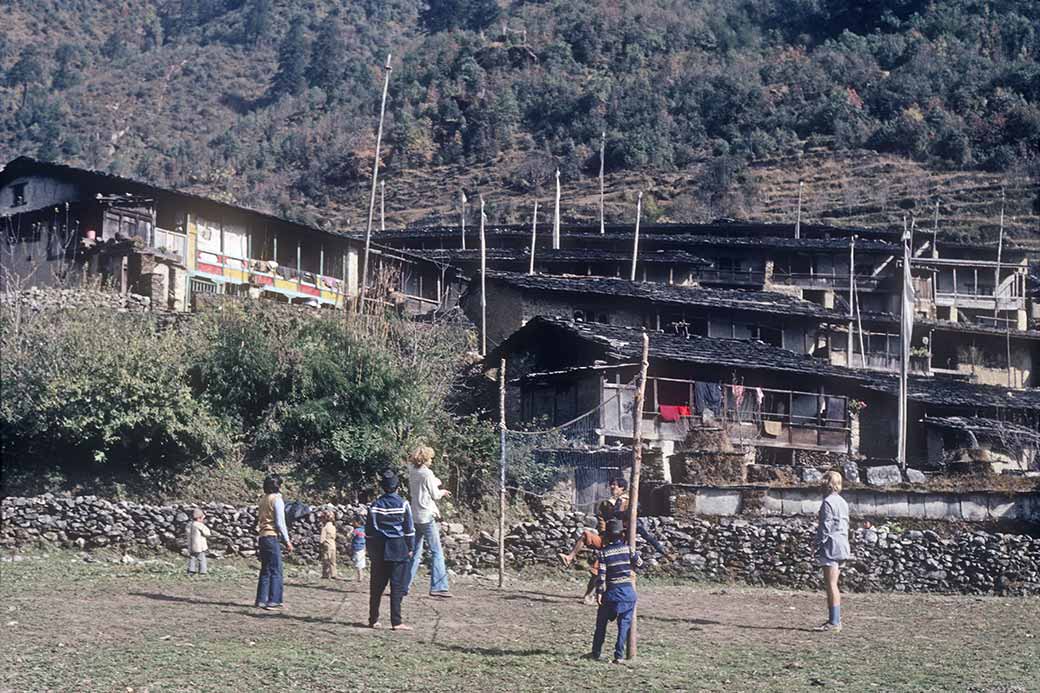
{"x":38,"y":299}
{"x":88,"y":522}
{"x":772,"y":551}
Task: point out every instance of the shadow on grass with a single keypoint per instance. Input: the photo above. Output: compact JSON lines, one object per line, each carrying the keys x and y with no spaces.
{"x":493,"y":651}
{"x":327,"y":588}
{"x":186,"y":600}
{"x":709,"y":622}
{"x":529,"y":597}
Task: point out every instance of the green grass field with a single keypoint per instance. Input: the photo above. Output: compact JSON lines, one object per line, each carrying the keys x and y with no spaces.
{"x":75,"y":626}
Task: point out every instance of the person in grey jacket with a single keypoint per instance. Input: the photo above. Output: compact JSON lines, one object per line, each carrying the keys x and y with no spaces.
{"x":832,"y":546}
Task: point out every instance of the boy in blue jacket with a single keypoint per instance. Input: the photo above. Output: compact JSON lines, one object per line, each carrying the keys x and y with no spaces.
{"x":615,"y":589}
{"x":390,"y":534}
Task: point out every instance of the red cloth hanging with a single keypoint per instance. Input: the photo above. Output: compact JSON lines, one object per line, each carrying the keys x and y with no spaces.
{"x":670,"y":413}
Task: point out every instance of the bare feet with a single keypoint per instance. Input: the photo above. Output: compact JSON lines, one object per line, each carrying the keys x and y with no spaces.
{"x":566,"y":558}
{"x":401,"y":626}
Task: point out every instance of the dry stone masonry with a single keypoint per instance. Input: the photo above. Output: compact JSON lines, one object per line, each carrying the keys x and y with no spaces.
{"x":773,"y":551}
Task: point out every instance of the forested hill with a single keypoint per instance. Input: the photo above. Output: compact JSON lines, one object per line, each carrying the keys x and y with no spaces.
{"x":711,"y":106}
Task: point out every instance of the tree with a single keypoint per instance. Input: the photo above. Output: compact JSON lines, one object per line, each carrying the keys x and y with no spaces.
{"x":257,"y":20}
{"x":329,"y":58}
{"x":115,"y":47}
{"x":27,"y":71}
{"x":67,"y":74}
{"x":292,"y":61}
{"x":476,"y":15}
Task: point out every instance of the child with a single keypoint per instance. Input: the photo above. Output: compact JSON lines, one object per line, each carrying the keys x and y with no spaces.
{"x":328,"y":545}
{"x":357,"y":547}
{"x":615,"y":590}
{"x":197,"y":544}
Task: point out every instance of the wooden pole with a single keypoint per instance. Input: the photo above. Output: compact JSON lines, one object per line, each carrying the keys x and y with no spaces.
{"x":798,"y":219}
{"x":556,"y":215}
{"x":635,"y":243}
{"x":463,"y":194}
{"x":935,"y":231}
{"x":375,"y":179}
{"x":1000,"y":252}
{"x":483,"y":283}
{"x":852,"y":298}
{"x":382,"y":205}
{"x":502,"y":472}
{"x":637,"y":463}
{"x":904,"y":349}
{"x":534,"y":232}
{"x":602,"y":152}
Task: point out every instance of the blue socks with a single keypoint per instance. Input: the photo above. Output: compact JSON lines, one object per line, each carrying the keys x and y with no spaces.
{"x":835,"y":615}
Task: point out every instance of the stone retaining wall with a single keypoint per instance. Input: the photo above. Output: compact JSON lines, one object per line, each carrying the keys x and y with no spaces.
{"x":772,"y":551}
{"x":989,"y":506}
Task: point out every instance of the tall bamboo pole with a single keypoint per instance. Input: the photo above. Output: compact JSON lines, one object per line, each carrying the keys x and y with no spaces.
{"x":1000,"y":253}
{"x":534,"y":232}
{"x":483,"y":283}
{"x":904,"y":350}
{"x":375,"y":179}
{"x":635,"y":242}
{"x":852,"y":298}
{"x":798,"y":219}
{"x":382,"y":205}
{"x":502,"y":472}
{"x":935,"y":231}
{"x":637,"y":463}
{"x":463,"y":194}
{"x":602,"y":153}
{"x":556,"y":215}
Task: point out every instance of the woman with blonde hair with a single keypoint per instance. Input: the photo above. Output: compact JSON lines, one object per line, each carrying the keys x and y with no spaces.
{"x":424,"y":490}
{"x":832,"y":546}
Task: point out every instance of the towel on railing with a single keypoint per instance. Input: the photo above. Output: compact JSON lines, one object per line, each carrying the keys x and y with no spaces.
{"x":670,"y":413}
{"x":773,"y":428}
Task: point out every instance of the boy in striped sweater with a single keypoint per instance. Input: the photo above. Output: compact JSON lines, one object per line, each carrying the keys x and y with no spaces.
{"x":615,"y":590}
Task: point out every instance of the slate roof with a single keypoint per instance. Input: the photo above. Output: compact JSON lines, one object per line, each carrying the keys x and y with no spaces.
{"x":587,"y":236}
{"x":985,"y":428}
{"x":24,"y":166}
{"x":544,"y":255}
{"x":625,"y":344}
{"x":671,"y":294}
{"x":950,"y":326}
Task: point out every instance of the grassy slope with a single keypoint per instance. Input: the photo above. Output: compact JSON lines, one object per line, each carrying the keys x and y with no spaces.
{"x":146,"y":627}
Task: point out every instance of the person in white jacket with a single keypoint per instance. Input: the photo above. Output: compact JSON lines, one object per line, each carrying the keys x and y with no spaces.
{"x":424,"y":490}
{"x":197,"y":545}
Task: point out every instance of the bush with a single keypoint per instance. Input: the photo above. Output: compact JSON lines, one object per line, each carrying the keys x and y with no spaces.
{"x":89,"y":393}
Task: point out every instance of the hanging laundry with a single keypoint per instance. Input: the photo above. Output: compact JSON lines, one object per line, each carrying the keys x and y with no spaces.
{"x":760,"y":396}
{"x":670,"y":413}
{"x":707,"y":397}
{"x":738,"y":395}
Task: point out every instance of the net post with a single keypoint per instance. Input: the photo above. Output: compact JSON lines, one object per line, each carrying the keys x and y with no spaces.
{"x":637,"y":462}
{"x":502,"y":472}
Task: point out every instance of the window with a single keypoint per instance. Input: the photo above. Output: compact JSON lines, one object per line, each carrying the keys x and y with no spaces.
{"x":18,"y":194}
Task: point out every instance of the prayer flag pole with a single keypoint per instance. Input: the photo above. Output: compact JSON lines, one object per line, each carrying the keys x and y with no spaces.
{"x":534,"y":231}
{"x":502,"y":472}
{"x":375,"y":180}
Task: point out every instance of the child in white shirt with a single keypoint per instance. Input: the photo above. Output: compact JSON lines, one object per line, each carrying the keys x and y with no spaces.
{"x":197,"y":545}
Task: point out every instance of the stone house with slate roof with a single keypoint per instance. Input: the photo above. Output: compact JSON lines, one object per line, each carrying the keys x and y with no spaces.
{"x":767,"y":397}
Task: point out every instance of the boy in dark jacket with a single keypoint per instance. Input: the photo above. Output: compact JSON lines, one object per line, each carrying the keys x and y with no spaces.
{"x":615,"y":590}
{"x":390,"y":534}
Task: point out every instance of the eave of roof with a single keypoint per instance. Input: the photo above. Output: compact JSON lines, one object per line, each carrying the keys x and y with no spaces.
{"x":729,"y":299}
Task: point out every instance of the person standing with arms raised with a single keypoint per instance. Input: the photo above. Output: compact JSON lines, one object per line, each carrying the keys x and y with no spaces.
{"x":270,"y":527}
{"x":425,"y":490}
{"x":390,"y":535}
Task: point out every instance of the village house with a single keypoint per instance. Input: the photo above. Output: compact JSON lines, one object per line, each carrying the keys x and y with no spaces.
{"x":59,"y":222}
{"x":772,"y":318}
{"x":783,"y":404}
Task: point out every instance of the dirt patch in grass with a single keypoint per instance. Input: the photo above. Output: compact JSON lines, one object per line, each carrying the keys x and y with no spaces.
{"x":103,"y":626}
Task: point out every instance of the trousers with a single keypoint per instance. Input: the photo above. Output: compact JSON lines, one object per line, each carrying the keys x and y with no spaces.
{"x":398,"y":575}
{"x":609,"y":611}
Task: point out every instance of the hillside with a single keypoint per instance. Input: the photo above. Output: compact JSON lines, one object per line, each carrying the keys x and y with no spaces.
{"x":714,"y":108}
